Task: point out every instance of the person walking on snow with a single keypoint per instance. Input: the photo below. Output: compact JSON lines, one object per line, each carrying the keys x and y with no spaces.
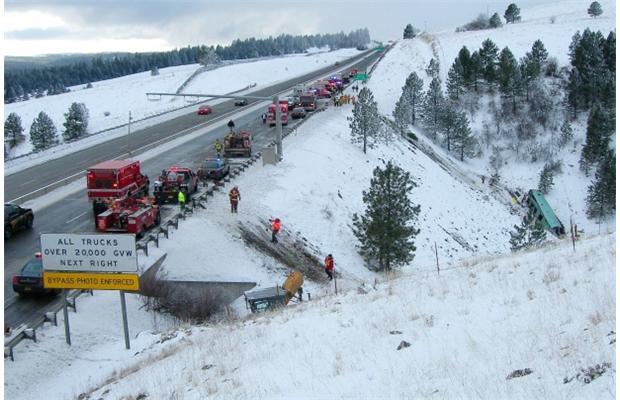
{"x":234,"y":197}
{"x":181,"y":199}
{"x":218,"y":148}
{"x":275,"y":228}
{"x":329,"y":266}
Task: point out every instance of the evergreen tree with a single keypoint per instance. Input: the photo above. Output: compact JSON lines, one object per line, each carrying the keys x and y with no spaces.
{"x":154,"y":71}
{"x":433,"y":68}
{"x":410,"y":102}
{"x":464,"y":142}
{"x":609,"y":51}
{"x":365,"y":123}
{"x":489,"y":57}
{"x":512,"y":13}
{"x":601,"y":200}
{"x":433,"y":107}
{"x":566,"y":133}
{"x":508,"y":76}
{"x":43,"y":133}
{"x":598,"y":137}
{"x":465,"y":61}
{"x":538,"y":57}
{"x":545,"y":179}
{"x":384,"y":230}
{"x":76,"y":122}
{"x":530,"y":233}
{"x":409,"y":32}
{"x":13,"y":130}
{"x":495,"y":21}
{"x":402,"y":113}
{"x":455,"y":83}
{"x":475,"y":69}
{"x":595,"y":9}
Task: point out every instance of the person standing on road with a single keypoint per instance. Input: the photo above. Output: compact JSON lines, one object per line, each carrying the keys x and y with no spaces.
{"x":218,"y":148}
{"x":181,"y":199}
{"x":329,"y":266}
{"x":275,"y":228}
{"x":264,"y":118}
{"x":234,"y":197}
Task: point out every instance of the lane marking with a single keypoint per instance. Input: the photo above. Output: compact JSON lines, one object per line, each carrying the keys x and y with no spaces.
{"x":74,"y":218}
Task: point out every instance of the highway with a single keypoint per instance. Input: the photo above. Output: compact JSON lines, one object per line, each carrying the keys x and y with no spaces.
{"x":73,"y":214}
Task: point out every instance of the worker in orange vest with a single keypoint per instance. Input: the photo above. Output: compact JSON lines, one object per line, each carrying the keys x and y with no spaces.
{"x":275,"y":228}
{"x":329,"y":266}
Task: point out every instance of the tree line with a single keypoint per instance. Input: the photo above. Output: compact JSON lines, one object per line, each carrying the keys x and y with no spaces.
{"x":37,"y":82}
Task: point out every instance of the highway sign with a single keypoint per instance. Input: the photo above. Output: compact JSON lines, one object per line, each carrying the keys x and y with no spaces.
{"x":361,"y":76}
{"x":92,"y":253}
{"x":83,"y":280}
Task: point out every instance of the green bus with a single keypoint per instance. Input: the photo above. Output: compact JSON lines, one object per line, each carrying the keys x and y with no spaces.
{"x":542,"y":211}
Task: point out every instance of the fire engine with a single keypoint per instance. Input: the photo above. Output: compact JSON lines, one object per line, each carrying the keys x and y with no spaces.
{"x":271,"y":113}
{"x":172,"y":181}
{"x":114,"y":179}
{"x":129,"y":215}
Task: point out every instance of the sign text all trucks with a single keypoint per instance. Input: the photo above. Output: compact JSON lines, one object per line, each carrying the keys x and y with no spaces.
{"x":94,"y":253}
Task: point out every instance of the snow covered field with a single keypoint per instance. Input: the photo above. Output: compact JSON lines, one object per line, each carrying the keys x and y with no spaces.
{"x":128,"y":93}
{"x":486,"y":314}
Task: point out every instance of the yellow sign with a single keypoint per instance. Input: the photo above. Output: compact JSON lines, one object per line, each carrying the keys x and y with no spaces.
{"x":87,"y":280}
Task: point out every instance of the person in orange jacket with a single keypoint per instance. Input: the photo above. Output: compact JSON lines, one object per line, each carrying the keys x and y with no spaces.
{"x":329,"y":266}
{"x":275,"y":228}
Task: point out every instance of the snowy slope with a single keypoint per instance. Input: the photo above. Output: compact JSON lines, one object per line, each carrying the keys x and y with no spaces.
{"x":128,"y":93}
{"x":550,"y":310}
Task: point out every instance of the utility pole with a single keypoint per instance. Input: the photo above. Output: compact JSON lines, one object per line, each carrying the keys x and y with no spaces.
{"x":128,"y":134}
{"x":276,"y":101}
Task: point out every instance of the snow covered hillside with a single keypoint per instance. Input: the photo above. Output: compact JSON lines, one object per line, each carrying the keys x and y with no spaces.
{"x":549,"y":311}
{"x":128,"y":93}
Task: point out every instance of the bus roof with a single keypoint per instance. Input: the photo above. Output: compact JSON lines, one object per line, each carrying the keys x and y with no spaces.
{"x":546,"y":209}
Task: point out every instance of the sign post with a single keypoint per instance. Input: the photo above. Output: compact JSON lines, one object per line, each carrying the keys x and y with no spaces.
{"x":101,"y":262}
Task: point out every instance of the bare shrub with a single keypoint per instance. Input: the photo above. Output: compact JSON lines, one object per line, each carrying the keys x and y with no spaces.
{"x":429,"y":321}
{"x":414,"y":317}
{"x":552,"y":275}
{"x":530,"y":295}
{"x":552,"y":19}
{"x":595,"y":318}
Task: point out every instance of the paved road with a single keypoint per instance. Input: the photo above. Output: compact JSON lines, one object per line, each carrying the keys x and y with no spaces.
{"x":73,"y":213}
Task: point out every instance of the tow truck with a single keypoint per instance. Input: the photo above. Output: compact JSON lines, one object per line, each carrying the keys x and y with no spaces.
{"x":238,"y":144}
{"x":173,"y":180}
{"x":129,"y":215}
{"x":114,"y":179}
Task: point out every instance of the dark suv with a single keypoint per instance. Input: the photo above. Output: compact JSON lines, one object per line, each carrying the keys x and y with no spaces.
{"x":16,"y":218}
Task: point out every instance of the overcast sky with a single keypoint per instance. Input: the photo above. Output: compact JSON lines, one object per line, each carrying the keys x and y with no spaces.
{"x":90,"y":26}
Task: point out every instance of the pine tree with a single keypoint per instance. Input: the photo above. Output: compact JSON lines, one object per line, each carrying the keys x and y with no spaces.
{"x":414,"y":95}
{"x":538,"y":57}
{"x":43,"y":133}
{"x":76,"y":122}
{"x":475,"y":69}
{"x":384,"y":230}
{"x":507,"y":74}
{"x":433,"y":68}
{"x":518,"y":237}
{"x":455,"y":83}
{"x":566,"y":133}
{"x":512,"y":14}
{"x":433,"y":107}
{"x":488,"y":57}
{"x":464,"y":142}
{"x":545,"y":179}
{"x":595,"y":9}
{"x":465,"y":61}
{"x":409,"y":32}
{"x":495,"y":21}
{"x":13,"y":130}
{"x":365,"y":121}
{"x":598,"y":137}
{"x":538,"y":234}
{"x":601,"y":200}
{"x":530,"y":233}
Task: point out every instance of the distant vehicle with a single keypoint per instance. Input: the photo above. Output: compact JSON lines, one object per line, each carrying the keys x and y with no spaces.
{"x":241,"y":103}
{"x":271,"y":113}
{"x":298,"y":112}
{"x":204,"y":110}
{"x":307,"y":101}
{"x":337,"y":63}
{"x":16,"y":218}
{"x":361,"y":48}
{"x":238,"y":144}
{"x":214,"y":168}
{"x":29,"y":280}
{"x":292,"y":101}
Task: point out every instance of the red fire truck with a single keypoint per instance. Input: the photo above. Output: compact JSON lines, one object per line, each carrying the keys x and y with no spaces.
{"x":114,"y":179}
{"x":129,"y":215}
{"x":271,"y":113}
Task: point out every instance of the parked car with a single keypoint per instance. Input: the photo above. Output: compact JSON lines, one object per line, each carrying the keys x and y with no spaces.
{"x":29,"y":280}
{"x":214,"y":168}
{"x":16,"y":218}
{"x":298,"y":112}
{"x":204,"y":110}
{"x":242,"y":102}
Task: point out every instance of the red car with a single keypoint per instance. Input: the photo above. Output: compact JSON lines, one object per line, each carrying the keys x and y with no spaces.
{"x":204,"y":110}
